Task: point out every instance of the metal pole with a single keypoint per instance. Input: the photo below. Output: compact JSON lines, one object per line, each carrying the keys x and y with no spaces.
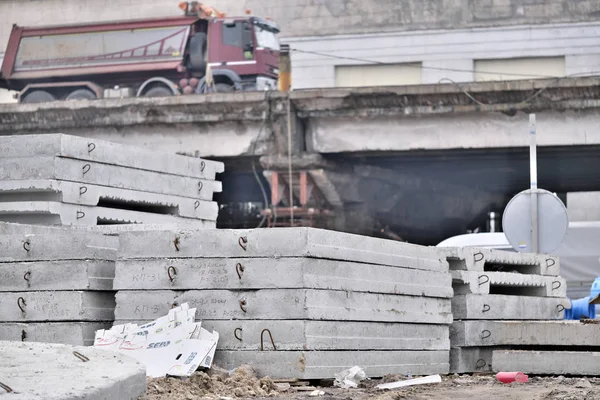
{"x":533,"y":184}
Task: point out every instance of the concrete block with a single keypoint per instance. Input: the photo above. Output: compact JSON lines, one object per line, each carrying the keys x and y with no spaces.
{"x":42,"y":371}
{"x":279,"y":273}
{"x":328,"y":335}
{"x":274,"y":243}
{"x":547,"y":362}
{"x":487,"y":260}
{"x":508,"y":283}
{"x":470,"y":359}
{"x":61,"y":245}
{"x":489,"y":307}
{"x":88,"y":172}
{"x":252,"y":335}
{"x":115,"y":230}
{"x":95,"y":238}
{"x":99,"y":151}
{"x":524,"y":333}
{"x":325,"y":364}
{"x":285,"y":304}
{"x":56,"y":306}
{"x":57,"y":275}
{"x":50,"y":212}
{"x":104,"y":196}
{"x":73,"y":333}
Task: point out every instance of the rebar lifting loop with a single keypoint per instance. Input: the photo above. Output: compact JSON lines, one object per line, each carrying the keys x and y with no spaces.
{"x":262,"y":334}
{"x":172,"y":272}
{"x":239,"y":268}
{"x":21,"y":303}
{"x":235,"y":333}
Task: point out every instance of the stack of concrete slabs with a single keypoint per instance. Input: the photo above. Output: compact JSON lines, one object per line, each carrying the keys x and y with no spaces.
{"x":68,"y":180}
{"x":56,"y":285}
{"x":492,"y":287}
{"x":295,"y":302}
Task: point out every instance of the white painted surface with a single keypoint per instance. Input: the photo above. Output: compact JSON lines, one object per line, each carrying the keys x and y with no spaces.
{"x":378,"y":75}
{"x":510,"y":69}
{"x":446,"y":53}
{"x":467,"y":131}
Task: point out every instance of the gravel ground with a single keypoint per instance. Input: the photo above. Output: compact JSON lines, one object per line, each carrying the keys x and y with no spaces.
{"x":243,"y":384}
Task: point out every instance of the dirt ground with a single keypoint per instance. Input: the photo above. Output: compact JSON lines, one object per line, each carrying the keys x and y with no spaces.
{"x":243,"y":384}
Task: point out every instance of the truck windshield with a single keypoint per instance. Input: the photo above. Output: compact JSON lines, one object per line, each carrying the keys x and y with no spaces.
{"x":266,"y":38}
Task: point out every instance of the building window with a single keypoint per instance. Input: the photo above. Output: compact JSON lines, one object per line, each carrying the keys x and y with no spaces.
{"x":378,"y":75}
{"x":510,"y":69}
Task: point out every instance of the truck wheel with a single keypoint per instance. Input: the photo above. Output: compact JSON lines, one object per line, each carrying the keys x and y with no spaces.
{"x":223,"y":88}
{"x":38,"y":96}
{"x":158,"y":91}
{"x":81,"y":94}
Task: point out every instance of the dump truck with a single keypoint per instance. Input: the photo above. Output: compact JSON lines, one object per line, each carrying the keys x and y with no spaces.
{"x":201,"y":51}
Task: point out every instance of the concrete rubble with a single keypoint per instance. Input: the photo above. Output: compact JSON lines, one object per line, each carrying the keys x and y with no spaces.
{"x":295,"y":302}
{"x":66,"y":180}
{"x":42,"y":371}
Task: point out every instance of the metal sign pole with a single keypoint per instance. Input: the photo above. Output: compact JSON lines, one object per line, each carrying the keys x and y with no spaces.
{"x":533,"y":182}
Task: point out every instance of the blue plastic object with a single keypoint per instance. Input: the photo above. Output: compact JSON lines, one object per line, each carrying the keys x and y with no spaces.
{"x":596,"y":291}
{"x":581,"y":308}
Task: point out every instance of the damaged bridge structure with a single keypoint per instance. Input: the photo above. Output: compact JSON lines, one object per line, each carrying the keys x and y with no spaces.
{"x":415,"y":163}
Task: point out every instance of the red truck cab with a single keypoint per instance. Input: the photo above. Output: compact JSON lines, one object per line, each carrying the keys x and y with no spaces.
{"x":150,"y":58}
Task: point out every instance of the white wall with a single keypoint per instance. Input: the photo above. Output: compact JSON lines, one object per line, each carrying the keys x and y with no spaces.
{"x":446,"y":53}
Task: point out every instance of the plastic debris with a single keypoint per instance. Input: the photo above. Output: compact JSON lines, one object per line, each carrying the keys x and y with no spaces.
{"x":350,"y":378}
{"x":509,"y":377}
{"x":411,"y":382}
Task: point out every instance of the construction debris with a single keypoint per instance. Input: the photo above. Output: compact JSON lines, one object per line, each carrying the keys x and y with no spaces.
{"x":411,"y":382}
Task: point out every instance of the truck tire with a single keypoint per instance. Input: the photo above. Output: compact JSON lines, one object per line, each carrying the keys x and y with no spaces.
{"x":82,"y":94}
{"x":38,"y":96}
{"x":197,"y":58}
{"x":158,"y":91}
{"x":223,"y":88}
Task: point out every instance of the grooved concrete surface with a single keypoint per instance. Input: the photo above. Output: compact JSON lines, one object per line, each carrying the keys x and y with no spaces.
{"x":72,"y":333}
{"x":51,"y":212}
{"x":524,"y":333}
{"x":547,"y":362}
{"x":465,"y":282}
{"x":106,"y":175}
{"x":474,"y":259}
{"x":57,"y":275}
{"x":92,"y":195}
{"x":60,"y":245}
{"x":56,"y":306}
{"x":324,"y":335}
{"x":275,"y":243}
{"x":279,"y":273}
{"x":285,"y":304}
{"x":100,"y":151}
{"x":40,"y":371}
{"x":500,"y":307}
{"x":318,"y":364}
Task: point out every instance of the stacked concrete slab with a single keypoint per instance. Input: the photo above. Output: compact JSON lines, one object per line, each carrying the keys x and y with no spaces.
{"x":55,"y":284}
{"x":67,"y":180}
{"x":492,"y":288}
{"x":295,"y":302}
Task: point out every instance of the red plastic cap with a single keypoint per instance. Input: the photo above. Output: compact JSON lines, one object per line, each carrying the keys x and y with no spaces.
{"x":509,"y":377}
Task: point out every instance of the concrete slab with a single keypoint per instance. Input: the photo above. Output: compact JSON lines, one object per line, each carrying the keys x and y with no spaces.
{"x":466,"y":360}
{"x":280,"y":273}
{"x":60,"y":245}
{"x":94,"y":195}
{"x":281,"y":242}
{"x":64,"y":169}
{"x":480,"y":260}
{"x":285,"y":304}
{"x":57,"y":275}
{"x":56,"y":306}
{"x":67,"y":146}
{"x":52,"y":212}
{"x":325,"y":364}
{"x":72,"y":333}
{"x":490,"y":307}
{"x":524,"y":333}
{"x":95,"y":238}
{"x":42,"y":371}
{"x":324,"y":335}
{"x":508,"y":283}
{"x":547,"y":362}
